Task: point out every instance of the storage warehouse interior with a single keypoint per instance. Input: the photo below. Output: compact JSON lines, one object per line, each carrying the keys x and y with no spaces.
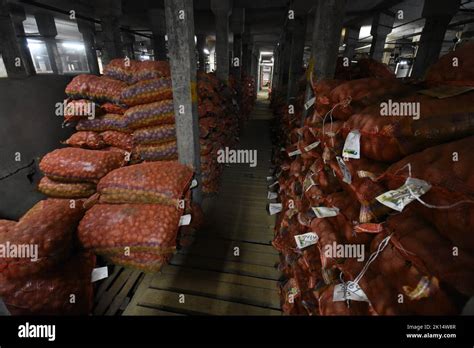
{"x":245,"y":157}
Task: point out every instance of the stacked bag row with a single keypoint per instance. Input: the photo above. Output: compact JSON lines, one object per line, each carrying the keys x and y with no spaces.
{"x":376,"y":211}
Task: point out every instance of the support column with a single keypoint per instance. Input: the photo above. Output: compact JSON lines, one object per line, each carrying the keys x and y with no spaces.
{"x":180,"y":29}
{"x":47,"y":29}
{"x":246,"y":53}
{"x":201,"y":45}
{"x":222,"y":9}
{"x":15,"y":52}
{"x":351,"y":38}
{"x":382,"y":25}
{"x":128,"y":44}
{"x":238,"y":27}
{"x":296,"y":58}
{"x":156,"y":17}
{"x":438,"y":14}
{"x":86,"y":28}
{"x":109,"y":12}
{"x":254,"y":63}
{"x":285,"y":59}
{"x":276,"y":68}
{"x":327,"y":29}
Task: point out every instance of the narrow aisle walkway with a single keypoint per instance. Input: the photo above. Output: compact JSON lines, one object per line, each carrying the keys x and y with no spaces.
{"x":230,"y":268}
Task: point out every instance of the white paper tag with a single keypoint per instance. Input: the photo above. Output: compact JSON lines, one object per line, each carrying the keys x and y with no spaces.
{"x":322,"y":212}
{"x":274,"y":208}
{"x":272,"y":195}
{"x":349,"y":291}
{"x":185,"y":220}
{"x":352,"y":145}
{"x":194,"y":183}
{"x":312,"y":146}
{"x":282,"y":149}
{"x":294,"y":153}
{"x":309,"y":103}
{"x":308,"y":182}
{"x":269,"y":178}
{"x":347,"y":178}
{"x":401,"y":197}
{"x":99,"y":273}
{"x":306,"y":239}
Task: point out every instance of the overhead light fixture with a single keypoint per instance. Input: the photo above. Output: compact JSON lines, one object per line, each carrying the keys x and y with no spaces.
{"x":266,"y":53}
{"x":73,"y":45}
{"x":206,"y":51}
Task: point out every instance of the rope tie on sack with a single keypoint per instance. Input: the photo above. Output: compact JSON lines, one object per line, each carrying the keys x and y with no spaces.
{"x":344,"y":103}
{"x":428,"y":205}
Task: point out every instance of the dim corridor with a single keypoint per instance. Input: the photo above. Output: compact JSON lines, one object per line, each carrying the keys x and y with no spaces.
{"x":230,"y":267}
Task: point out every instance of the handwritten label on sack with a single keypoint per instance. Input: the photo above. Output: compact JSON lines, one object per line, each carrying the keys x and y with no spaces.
{"x":274,"y":208}
{"x":272,"y":195}
{"x":352,"y":145}
{"x":306,"y":239}
{"x":99,"y":273}
{"x":309,"y":103}
{"x":405,"y":194}
{"x":294,"y":153}
{"x":323,"y":212}
{"x":312,"y":146}
{"x":185,"y":220}
{"x":349,"y":291}
{"x":347,"y":178}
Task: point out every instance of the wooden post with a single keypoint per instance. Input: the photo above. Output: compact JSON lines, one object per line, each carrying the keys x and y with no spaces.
{"x":180,"y":29}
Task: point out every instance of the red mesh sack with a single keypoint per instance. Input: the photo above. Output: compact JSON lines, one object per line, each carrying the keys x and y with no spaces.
{"x":118,"y":139}
{"x":452,"y":187}
{"x":101,"y":89}
{"x":48,"y":226}
{"x":59,"y":189}
{"x":158,"y":152}
{"x":151,"y":69}
{"x":103,"y":123}
{"x":393,"y":137}
{"x":79,"y":109}
{"x":150,"y":182}
{"x":86,"y":139}
{"x":74,"y":164}
{"x":6,"y":226}
{"x":142,"y":261}
{"x":444,"y":73}
{"x":147,"y":91}
{"x":49,"y":293}
{"x":357,"y":94}
{"x":109,"y":225}
{"x":121,"y":69}
{"x":152,"y":114}
{"x":155,"y":134}
{"x":111,"y":108}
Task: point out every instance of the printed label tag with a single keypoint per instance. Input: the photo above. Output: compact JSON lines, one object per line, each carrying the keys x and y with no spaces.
{"x":194,"y":183}
{"x":312,"y":146}
{"x":294,"y":153}
{"x":366,"y":174}
{"x":308,"y":182}
{"x":347,"y":178}
{"x":349,"y":291}
{"x":272,"y":195}
{"x":352,"y":145}
{"x":322,"y":212}
{"x":185,"y":220}
{"x":401,"y":197}
{"x":274,"y":208}
{"x":305,"y":240}
{"x":99,"y":273}
{"x":309,"y":103}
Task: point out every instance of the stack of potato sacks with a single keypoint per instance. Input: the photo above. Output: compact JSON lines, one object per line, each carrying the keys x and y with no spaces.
{"x":42,"y":269}
{"x":354,"y":183}
{"x":249,"y":94}
{"x":218,"y":124}
{"x":137,"y":212}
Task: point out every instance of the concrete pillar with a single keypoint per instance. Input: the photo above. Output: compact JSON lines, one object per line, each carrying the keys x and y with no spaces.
{"x":222,"y":9}
{"x":285,"y":58}
{"x":438,"y":14}
{"x":156,"y":17}
{"x":276,"y":68}
{"x":238,"y":26}
{"x":86,"y":28}
{"x":109,"y":12}
{"x":351,"y":37}
{"x":254,"y":64}
{"x":180,"y":29}
{"x":327,"y":29}
{"x":15,"y":53}
{"x":128,"y":39}
{"x":201,"y":45}
{"x":246,"y":52}
{"x":47,"y":29}
{"x":296,"y":57}
{"x":382,"y":25}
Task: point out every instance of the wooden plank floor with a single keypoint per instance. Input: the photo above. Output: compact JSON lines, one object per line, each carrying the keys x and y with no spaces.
{"x":230,"y":269}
